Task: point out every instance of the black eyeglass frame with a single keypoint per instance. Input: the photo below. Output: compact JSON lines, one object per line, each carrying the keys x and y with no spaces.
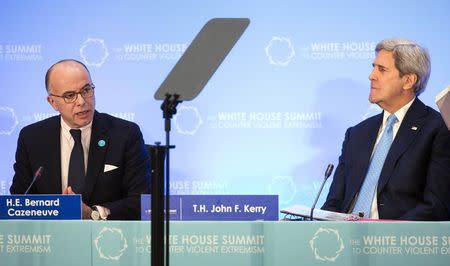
{"x":71,"y":96}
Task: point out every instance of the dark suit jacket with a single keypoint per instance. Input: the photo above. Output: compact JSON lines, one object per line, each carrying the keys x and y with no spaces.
{"x":118,"y":190}
{"x":415,"y":180}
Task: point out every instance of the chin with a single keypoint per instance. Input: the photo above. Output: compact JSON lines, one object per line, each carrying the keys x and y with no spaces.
{"x":84,"y":122}
{"x":373,"y":99}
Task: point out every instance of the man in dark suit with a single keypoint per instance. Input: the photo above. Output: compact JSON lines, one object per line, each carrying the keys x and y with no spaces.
{"x":113,"y":162}
{"x":395,"y":165}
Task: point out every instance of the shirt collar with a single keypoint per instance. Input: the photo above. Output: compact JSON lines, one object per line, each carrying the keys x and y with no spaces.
{"x":400,"y":114}
{"x":66,"y":127}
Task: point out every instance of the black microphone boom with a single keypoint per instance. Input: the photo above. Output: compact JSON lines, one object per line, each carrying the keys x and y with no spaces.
{"x":327,"y":174}
{"x":37,"y":174}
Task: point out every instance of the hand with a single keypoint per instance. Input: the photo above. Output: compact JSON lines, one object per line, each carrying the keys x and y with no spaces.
{"x":86,"y":210}
{"x":68,"y":191}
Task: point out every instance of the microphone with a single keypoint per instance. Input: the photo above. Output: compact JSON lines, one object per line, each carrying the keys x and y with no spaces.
{"x":37,"y":174}
{"x":327,"y":174}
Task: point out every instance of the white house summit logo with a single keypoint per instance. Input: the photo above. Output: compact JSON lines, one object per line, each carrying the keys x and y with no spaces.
{"x":188,"y":120}
{"x":8,"y":120}
{"x":110,"y":243}
{"x":327,"y":244}
{"x":94,"y":52}
{"x":280,"y":51}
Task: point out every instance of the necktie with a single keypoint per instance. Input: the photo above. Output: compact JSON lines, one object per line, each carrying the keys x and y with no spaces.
{"x":76,"y":163}
{"x":367,"y":191}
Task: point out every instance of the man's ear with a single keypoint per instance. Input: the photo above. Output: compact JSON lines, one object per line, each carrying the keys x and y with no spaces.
{"x":52,"y":102}
{"x":409,"y":81}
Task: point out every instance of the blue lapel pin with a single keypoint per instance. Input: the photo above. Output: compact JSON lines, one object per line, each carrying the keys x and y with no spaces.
{"x":101,"y":143}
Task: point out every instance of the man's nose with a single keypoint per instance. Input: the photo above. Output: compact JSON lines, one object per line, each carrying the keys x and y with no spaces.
{"x":372,"y":75}
{"x":80,"y":100}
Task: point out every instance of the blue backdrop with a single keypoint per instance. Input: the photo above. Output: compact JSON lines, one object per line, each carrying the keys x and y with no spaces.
{"x":270,"y":119}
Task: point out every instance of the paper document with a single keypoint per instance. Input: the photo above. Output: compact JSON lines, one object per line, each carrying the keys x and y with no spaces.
{"x":303,"y":211}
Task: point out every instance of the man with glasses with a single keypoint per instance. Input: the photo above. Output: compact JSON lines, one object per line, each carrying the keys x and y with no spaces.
{"x":395,"y":165}
{"x":82,"y":151}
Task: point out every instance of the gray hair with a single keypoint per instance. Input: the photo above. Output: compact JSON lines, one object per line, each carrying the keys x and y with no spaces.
{"x":410,"y":58}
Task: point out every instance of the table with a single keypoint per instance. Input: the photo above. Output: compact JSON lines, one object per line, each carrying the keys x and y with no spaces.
{"x":259,"y":243}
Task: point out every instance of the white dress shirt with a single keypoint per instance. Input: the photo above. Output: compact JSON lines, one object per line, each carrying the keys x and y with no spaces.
{"x":67,"y":143}
{"x":400,"y":114}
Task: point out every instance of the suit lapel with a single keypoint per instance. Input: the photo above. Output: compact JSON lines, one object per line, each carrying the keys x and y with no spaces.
{"x":97,"y":152}
{"x":365,"y":145}
{"x":414,"y":118}
{"x":53,"y":170}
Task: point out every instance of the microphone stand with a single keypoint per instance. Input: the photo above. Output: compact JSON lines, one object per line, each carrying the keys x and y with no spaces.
{"x":169,"y":108}
{"x":157,"y":157}
{"x":189,"y":76}
{"x":327,"y":174}
{"x":37,"y":174}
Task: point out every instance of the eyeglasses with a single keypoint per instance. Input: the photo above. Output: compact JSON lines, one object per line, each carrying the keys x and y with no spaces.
{"x":70,"y":96}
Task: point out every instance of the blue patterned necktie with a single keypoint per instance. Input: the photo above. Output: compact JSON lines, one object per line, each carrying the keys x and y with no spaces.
{"x":367,"y":191}
{"x":76,"y":163}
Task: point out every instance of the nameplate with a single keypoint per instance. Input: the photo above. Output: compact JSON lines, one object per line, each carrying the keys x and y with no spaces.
{"x":40,"y":207}
{"x":217,"y":207}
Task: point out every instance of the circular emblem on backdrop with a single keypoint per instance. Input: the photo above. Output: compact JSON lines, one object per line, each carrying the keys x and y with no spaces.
{"x":110,"y":243}
{"x":94,"y":52}
{"x":188,"y":120}
{"x":8,"y":120}
{"x":280,"y":51}
{"x":283,"y":186}
{"x":327,"y":244}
